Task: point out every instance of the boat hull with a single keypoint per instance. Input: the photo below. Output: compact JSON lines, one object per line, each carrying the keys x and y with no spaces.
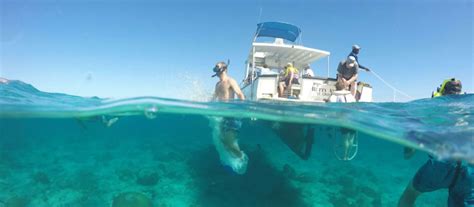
{"x":312,"y":90}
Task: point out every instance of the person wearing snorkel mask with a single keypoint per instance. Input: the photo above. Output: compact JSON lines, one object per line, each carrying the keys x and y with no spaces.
{"x":226,"y":89}
{"x":457,"y":176}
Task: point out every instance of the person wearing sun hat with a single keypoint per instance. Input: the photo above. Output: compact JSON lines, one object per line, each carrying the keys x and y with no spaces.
{"x":347,"y":74}
{"x":308,"y":72}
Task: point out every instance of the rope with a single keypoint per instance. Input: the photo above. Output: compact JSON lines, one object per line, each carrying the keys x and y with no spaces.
{"x":389,"y":85}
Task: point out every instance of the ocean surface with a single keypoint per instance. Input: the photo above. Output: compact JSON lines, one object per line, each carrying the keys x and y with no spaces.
{"x":63,"y":150}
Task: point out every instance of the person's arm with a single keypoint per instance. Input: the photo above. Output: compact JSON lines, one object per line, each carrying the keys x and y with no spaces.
{"x":363,"y":67}
{"x":237,"y":90}
{"x":339,"y":75}
{"x":340,"y":70}
{"x":409,"y":196}
{"x":354,"y":77}
{"x":357,"y":60}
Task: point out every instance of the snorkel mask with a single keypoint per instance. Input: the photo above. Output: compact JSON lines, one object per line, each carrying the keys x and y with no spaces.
{"x":220,"y":67}
{"x":452,"y":87}
{"x":448,"y":87}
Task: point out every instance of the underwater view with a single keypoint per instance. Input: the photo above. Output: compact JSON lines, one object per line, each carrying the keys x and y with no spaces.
{"x":249,"y":103}
{"x":63,"y":150}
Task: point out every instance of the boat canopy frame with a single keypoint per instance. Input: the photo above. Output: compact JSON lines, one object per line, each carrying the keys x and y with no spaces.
{"x":277,"y":54}
{"x":278,"y":30}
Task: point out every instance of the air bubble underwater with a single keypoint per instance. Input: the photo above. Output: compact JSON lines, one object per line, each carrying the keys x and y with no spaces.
{"x":151,"y":112}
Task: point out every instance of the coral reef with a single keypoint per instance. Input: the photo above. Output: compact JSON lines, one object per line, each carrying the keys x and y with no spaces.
{"x":17,"y":201}
{"x":125,"y":174}
{"x":131,"y":199}
{"x":184,"y":169}
{"x":41,"y":177}
{"x":147,"y":177}
{"x":262,"y":185}
{"x":352,"y":191}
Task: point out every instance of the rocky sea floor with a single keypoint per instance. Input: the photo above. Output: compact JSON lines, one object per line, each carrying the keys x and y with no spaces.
{"x":76,"y":163}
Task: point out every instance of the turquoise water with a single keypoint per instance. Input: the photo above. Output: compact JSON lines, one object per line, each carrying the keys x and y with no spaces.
{"x":62,"y":150}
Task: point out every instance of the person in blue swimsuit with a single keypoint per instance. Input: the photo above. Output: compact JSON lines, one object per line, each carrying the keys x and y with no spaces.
{"x":454,"y":175}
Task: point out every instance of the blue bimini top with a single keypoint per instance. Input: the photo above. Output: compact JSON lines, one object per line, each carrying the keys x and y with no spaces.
{"x":278,"y":30}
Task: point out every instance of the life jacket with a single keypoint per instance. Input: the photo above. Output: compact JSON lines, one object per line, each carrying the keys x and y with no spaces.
{"x":448,"y":86}
{"x":292,"y":70}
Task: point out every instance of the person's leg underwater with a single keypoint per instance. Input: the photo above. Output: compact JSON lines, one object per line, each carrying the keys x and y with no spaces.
{"x":225,"y":140}
{"x":409,"y":196}
{"x":229,"y":139}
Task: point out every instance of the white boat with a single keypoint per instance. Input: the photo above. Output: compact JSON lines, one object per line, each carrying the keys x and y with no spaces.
{"x":261,"y":84}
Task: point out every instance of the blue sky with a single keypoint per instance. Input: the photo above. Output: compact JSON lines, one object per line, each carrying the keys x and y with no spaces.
{"x":167,"y":48}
